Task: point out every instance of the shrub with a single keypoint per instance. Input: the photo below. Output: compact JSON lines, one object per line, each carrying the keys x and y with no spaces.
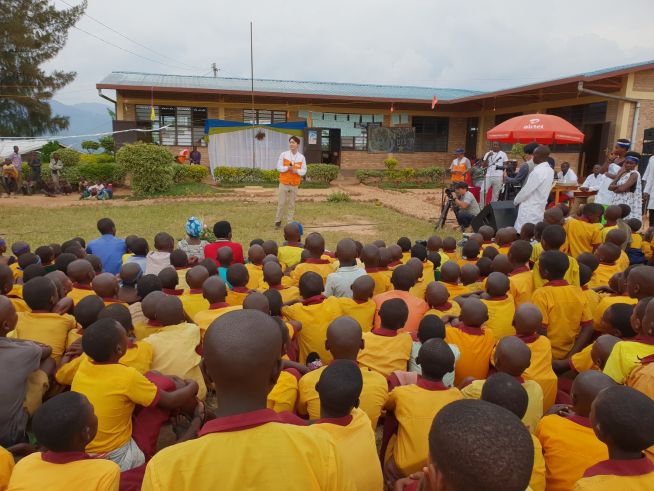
{"x":391,"y":164}
{"x":339,"y":197}
{"x":68,"y":156}
{"x":325,"y":173}
{"x":189,"y":173}
{"x":150,"y":166}
{"x":244,"y":175}
{"x":107,"y":144}
{"x":90,"y":145}
{"x":370,"y":176}
{"x":430,"y":174}
{"x":95,"y":158}
{"x":48,"y":148}
{"x":104,"y":173}
{"x":270,"y":176}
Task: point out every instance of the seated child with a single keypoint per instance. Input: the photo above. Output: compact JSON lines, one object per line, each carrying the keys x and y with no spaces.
{"x":490,"y":253}
{"x":450,"y":276}
{"x":553,"y":238}
{"x":396,"y":255}
{"x":145,"y":285}
{"x":344,"y":341}
{"x":611,"y":216}
{"x":619,"y":237}
{"x":623,"y":419}
{"x":270,"y":248}
{"x":315,"y":245}
{"x":469,"y":252}
{"x":584,"y":231}
{"x":431,"y":327}
{"x":169,"y":281}
{"x":500,"y":305}
{"x":46,"y":256}
{"x":403,"y":279}
{"x":179,"y":261}
{"x":273,"y":279}
{"x":159,"y":259}
{"x":385,"y":349}
{"x":214,"y":290}
{"x":521,"y":278}
{"x":413,"y":407}
{"x":593,"y":298}
{"x":174,"y":346}
{"x":7,"y":287}
{"x":418,"y":251}
{"x":360,"y":307}
{"x":418,"y":290}
{"x":106,"y":286}
{"x":315,"y":312}
{"x":527,"y":232}
{"x":149,"y":310}
{"x":475,"y":341}
{"x":449,"y":248}
{"x":114,"y":390}
{"x":339,"y":282}
{"x":501,"y":264}
{"x":81,"y":273}
{"x":607,"y":255}
{"x":238,"y":277}
{"x":513,"y":357}
{"x":129,"y":274}
{"x":43,"y":324}
{"x":140,"y":249}
{"x":471,"y":277}
{"x":193,"y":299}
{"x":620,"y":295}
{"x":485,"y":266}
{"x":434,"y":247}
{"x":86,"y":313}
{"x":225,"y":258}
{"x":339,"y":388}
{"x":370,"y":257}
{"x":504,"y":238}
{"x":636,"y":250}
{"x":488,"y":234}
{"x":289,"y":253}
{"x":437,"y":297}
{"x":64,"y":426}
{"x":255,"y":267}
{"x":566,"y":315}
{"x":405,"y":245}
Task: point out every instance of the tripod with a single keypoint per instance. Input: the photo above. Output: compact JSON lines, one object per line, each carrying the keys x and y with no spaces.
{"x":445,"y":209}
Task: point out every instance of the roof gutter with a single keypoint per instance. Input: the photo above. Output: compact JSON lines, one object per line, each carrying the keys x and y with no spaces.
{"x":107,"y":98}
{"x":634,"y":124}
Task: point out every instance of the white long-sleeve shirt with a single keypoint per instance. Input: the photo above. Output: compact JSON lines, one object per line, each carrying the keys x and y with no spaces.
{"x":593,"y":182}
{"x":294,"y":158}
{"x":495,"y":160}
{"x":532,"y":198}
{"x":648,"y":177}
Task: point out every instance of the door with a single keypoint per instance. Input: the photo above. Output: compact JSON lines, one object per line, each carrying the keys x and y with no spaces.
{"x":312,"y":145}
{"x":334,"y":151}
{"x":472,"y":130}
{"x":592,"y":151}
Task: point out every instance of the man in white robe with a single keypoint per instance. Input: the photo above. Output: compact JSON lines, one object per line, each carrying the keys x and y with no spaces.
{"x":532,"y":198}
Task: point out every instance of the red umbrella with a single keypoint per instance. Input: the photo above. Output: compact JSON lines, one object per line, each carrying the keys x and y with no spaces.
{"x":541,"y":128}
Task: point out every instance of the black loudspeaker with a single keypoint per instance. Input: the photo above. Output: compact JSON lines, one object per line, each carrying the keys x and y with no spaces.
{"x":648,"y":147}
{"x":648,"y":134}
{"x":498,"y":214}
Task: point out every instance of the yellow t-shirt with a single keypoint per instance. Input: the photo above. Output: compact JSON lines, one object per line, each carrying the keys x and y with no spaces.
{"x":236,"y":298}
{"x":642,"y":378}
{"x":605,"y":231}
{"x":476,"y":346}
{"x":143,"y":330}
{"x":6,"y":466}
{"x":501,"y":311}
{"x":565,"y":310}
{"x":537,"y":481}
{"x":569,"y":447}
{"x":582,"y":361}
{"x":626,"y":356}
{"x":571,"y":274}
{"x":603,"y":274}
{"x":288,"y":293}
{"x":64,"y":471}
{"x":321,"y":266}
{"x":623,"y":261}
{"x":536,"y":251}
{"x":290,"y":255}
{"x":47,"y":328}
{"x":315,"y":317}
{"x":521,"y":283}
{"x":540,"y":368}
{"x":79,"y":292}
{"x":193,"y":302}
{"x":605,"y":303}
{"x":610,"y":475}
{"x":449,"y":308}
{"x":181,"y":278}
{"x":593,"y":299}
{"x":385,"y":351}
{"x":19,"y":303}
{"x":204,"y":318}
{"x":243,"y":452}
{"x":362,"y":312}
{"x":382,"y":281}
{"x":283,"y":395}
{"x":113,"y":390}
{"x":372,"y":399}
{"x":455,"y":290}
{"x":355,"y":440}
{"x":582,"y":236}
{"x":256,"y":276}
{"x":415,"y":407}
{"x":418,"y":290}
{"x":534,"y":392}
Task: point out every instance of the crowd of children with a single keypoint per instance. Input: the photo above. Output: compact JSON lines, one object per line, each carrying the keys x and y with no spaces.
{"x":512,"y":360}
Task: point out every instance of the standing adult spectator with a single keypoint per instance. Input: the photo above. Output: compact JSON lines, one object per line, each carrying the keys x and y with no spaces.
{"x":223,"y":232}
{"x":108,"y":247}
{"x":648,"y":188}
{"x":56,"y":165}
{"x":35,"y":167}
{"x":195,"y":156}
{"x":17,"y":162}
{"x":626,"y":186}
{"x":611,"y":169}
{"x":525,"y":169}
{"x":532,"y":198}
{"x":291,"y":166}
{"x":494,"y":161}
{"x":460,"y":166}
{"x":467,"y":206}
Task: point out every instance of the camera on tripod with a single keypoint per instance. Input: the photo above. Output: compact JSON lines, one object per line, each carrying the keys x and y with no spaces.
{"x":450,"y":193}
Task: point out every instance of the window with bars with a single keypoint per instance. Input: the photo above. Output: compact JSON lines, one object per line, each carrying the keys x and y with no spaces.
{"x":359,"y":143}
{"x":185,"y":125}
{"x":263,"y":116}
{"x":431,"y":133}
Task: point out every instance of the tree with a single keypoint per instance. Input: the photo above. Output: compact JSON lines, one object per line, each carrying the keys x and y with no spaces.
{"x":32,"y":32}
{"x":107,"y":144}
{"x":90,"y":145}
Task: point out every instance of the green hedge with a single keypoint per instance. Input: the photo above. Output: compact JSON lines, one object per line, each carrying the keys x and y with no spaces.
{"x":96,"y":158}
{"x":105,"y":173}
{"x":393,"y":175}
{"x":317,"y":173}
{"x":189,"y":173}
{"x":68,"y":156}
{"x":150,"y":166}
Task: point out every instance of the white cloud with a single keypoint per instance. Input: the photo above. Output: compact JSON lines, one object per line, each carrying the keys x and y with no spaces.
{"x":474,"y":44}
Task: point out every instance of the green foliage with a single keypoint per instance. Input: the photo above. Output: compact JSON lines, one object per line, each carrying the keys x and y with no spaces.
{"x":321,"y":173}
{"x":90,"y":145}
{"x":68,"y":156}
{"x":107,"y":142}
{"x":48,"y":148}
{"x":244,"y":176}
{"x":430,"y":174}
{"x":189,"y":173}
{"x":370,"y":176}
{"x":95,"y":158}
{"x":151,"y":167}
{"x":104,"y":173}
{"x":33,"y":33}
{"x":517,"y":150}
{"x":405,"y":177}
{"x":391,"y":164}
{"x":339,"y":197}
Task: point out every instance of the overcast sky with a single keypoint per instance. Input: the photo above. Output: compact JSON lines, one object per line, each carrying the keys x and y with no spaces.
{"x":471,"y":44}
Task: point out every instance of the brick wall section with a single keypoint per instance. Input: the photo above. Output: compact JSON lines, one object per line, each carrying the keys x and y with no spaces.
{"x":644,"y":81}
{"x":645,"y":121}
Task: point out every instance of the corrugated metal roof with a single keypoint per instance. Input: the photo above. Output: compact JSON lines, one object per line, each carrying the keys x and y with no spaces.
{"x":148,"y":80}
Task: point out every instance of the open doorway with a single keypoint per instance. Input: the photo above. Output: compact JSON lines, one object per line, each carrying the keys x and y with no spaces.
{"x":322,"y":145}
{"x":592,"y":151}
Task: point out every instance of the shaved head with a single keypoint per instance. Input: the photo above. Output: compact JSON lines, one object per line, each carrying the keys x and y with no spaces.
{"x":170,"y":310}
{"x":528,"y":319}
{"x":640,"y":282}
{"x":586,"y":388}
{"x":257,"y":301}
{"x":8,"y":316}
{"x":512,"y":356}
{"x":105,"y":285}
{"x":81,"y":271}
{"x":344,"y":338}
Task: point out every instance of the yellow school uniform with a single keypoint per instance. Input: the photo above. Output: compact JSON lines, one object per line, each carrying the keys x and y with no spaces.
{"x":362,"y":312}
{"x":355,"y":440}
{"x":606,"y":302}
{"x":242,"y":452}
{"x":540,"y":367}
{"x":385,"y":351}
{"x":47,"y":328}
{"x":290,"y":254}
{"x":448,"y":308}
{"x":418,"y":290}
{"x":626,"y":356}
{"x":236,"y":296}
{"x":18,"y":303}
{"x":415,"y":407}
{"x":569,"y":447}
{"x":571,"y":274}
{"x":476,"y":345}
{"x":534,"y":392}
{"x":193,"y":302}
{"x":62,"y":471}
{"x":321,"y":266}
{"x":79,"y":292}
{"x":642,"y":377}
{"x":381,"y":278}
{"x":521,"y":282}
{"x":283,"y":395}
{"x":455,"y":289}
{"x":582,"y":236}
{"x":451,"y":256}
{"x":477,"y":286}
{"x":405,"y":257}
{"x":489,"y":244}
{"x":501,"y":311}
{"x":288,"y":293}
{"x":175,"y":353}
{"x":181,"y":278}
{"x":372,"y":399}
{"x":565,"y":310}
{"x":6,"y":466}
{"x":204,"y":318}
{"x":536,"y":251}
{"x":582,"y":360}
{"x":315,"y":314}
{"x":537,"y":481}
{"x":603,"y":274}
{"x":623,"y":261}
{"x":605,"y":231}
{"x":143,"y":330}
{"x":611,"y":475}
{"x":113,"y":390}
{"x":256,"y":276}
{"x":593,"y":299}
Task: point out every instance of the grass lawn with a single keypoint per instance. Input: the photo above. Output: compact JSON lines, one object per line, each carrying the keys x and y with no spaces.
{"x":361,"y":221}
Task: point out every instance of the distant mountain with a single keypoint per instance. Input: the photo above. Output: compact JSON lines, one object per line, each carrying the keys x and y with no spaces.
{"x":85,"y":118}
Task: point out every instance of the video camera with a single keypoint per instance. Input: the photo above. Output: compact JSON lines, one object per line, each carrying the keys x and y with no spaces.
{"x":450,"y":193}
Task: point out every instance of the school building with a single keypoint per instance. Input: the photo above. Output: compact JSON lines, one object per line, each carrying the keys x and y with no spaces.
{"x":357,"y":126}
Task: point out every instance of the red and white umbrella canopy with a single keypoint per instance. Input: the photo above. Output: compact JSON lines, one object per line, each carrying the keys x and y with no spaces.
{"x":541,"y":128}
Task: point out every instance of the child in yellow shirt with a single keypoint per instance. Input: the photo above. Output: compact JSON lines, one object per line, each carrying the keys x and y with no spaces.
{"x":592,"y":297}
{"x":214,"y":290}
{"x":611,"y":216}
{"x":469,"y":252}
{"x":450,"y":276}
{"x":106,"y":286}
{"x":169,"y":281}
{"x":193,"y":299}
{"x":273,"y":279}
{"x":360,"y":307}
{"x":179,"y":261}
{"x":315,"y":246}
{"x":81,"y":273}
{"x":149,"y":310}
{"x":471,"y":277}
{"x":255,"y":267}
{"x":449,"y":249}
{"x":7,"y":289}
{"x":608,"y":255}
{"x":488,"y":234}
{"x":438,"y":298}
{"x":370,"y":257}
{"x":238,"y":277}
{"x":289,"y":253}
{"x":504,"y":238}
{"x":500,"y":305}
{"x":583,"y":232}
{"x":553,"y":238}
{"x":521,"y":278}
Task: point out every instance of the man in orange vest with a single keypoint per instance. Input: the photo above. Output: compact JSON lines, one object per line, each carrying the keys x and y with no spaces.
{"x":460,"y":166}
{"x":291,"y":166}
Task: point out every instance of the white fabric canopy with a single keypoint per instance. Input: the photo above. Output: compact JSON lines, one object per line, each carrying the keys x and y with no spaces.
{"x":24,"y":146}
{"x":234,"y":148}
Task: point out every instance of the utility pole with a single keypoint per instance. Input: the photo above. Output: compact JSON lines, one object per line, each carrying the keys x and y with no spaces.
{"x":254,"y":114}
{"x":215,"y":70}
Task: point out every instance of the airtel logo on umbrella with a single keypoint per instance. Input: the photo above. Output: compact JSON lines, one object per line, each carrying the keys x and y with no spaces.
{"x":533,"y":125}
